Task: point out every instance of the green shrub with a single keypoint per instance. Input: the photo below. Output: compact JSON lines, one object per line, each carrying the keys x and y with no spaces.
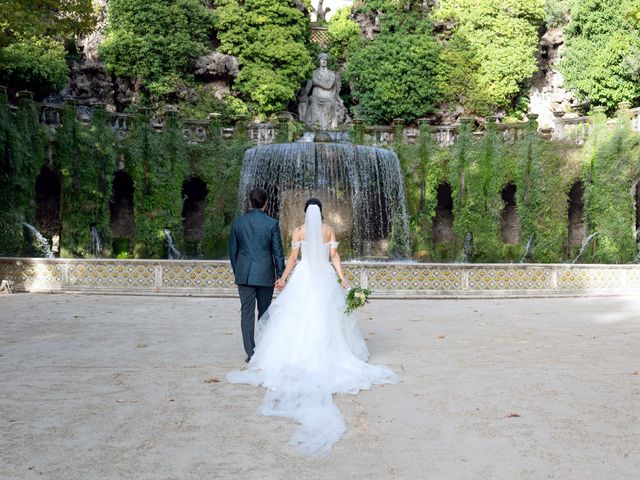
{"x":602,"y":58}
{"x":270,"y":39}
{"x":155,"y":41}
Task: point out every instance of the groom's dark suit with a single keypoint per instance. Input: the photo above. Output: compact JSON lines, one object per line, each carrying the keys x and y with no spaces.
{"x":257,"y":259}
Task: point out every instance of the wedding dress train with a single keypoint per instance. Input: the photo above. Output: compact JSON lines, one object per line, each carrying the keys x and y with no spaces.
{"x":307,"y":349}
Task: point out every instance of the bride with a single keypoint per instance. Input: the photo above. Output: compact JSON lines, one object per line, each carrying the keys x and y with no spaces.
{"x":307,"y":347}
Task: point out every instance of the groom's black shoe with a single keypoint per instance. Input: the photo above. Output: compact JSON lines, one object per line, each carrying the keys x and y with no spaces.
{"x":246,"y":360}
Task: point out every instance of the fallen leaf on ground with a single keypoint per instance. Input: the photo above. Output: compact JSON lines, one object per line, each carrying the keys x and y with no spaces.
{"x":398,"y":328}
{"x":141,"y":345}
{"x":212,"y":380}
{"x":228,"y":333}
{"x":513,"y":415}
{"x":637,"y":372}
{"x":169,"y":399}
{"x":441,"y":336}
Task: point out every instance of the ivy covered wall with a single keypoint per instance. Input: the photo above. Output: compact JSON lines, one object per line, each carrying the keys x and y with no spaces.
{"x":543,"y":173}
{"x":466,"y":188}
{"x":86,"y":158}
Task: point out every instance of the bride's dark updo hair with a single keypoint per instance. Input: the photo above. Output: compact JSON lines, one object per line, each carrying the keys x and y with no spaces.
{"x":313,"y":201}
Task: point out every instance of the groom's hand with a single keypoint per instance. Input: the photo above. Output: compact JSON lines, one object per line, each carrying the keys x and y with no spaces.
{"x":279,"y":285}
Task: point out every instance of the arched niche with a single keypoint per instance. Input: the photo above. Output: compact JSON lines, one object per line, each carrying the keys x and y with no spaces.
{"x":577,"y":226}
{"x":194,"y":194}
{"x":443,"y":220}
{"x":509,"y":216}
{"x":47,"y":190}
{"x":121,"y":208}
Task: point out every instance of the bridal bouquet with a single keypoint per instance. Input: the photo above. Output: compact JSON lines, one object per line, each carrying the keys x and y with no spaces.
{"x":356,"y":298}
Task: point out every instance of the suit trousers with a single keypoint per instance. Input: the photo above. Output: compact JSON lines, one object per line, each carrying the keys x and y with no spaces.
{"x":249,"y":296}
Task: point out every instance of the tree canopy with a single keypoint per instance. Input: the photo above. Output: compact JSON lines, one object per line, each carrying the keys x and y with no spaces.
{"x":602,"y":59}
{"x":394,"y":75}
{"x":490,"y":55}
{"x":156,"y":41}
{"x":32,"y":38}
{"x":270,"y":39}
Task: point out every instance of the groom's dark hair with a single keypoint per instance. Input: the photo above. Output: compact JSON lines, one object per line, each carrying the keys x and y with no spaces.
{"x":258,"y":197}
{"x":313,"y":201}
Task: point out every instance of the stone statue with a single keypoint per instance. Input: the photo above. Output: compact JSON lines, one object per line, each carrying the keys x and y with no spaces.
{"x":321,"y":13}
{"x":319,"y":102}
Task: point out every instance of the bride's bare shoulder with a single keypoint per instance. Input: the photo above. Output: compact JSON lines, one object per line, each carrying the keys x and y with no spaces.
{"x":298,"y":232}
{"x":328,"y":233}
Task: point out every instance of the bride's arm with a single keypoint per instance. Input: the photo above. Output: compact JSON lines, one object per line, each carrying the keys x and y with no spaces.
{"x":335,"y":260}
{"x":293,"y":257}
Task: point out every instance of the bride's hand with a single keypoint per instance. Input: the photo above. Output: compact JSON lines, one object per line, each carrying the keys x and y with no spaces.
{"x":280,"y":284}
{"x":344,"y":283}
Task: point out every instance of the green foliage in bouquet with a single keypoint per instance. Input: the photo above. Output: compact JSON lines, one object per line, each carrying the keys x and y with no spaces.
{"x":357,"y":297}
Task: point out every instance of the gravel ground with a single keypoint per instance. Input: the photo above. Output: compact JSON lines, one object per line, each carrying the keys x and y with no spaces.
{"x":107,"y":387}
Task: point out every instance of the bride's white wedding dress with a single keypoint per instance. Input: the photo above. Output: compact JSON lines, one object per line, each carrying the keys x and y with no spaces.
{"x":307,"y":349}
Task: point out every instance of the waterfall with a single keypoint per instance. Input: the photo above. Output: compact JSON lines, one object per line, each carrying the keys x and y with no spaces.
{"x":528,"y":251}
{"x":172,"y":251}
{"x":95,"y":245}
{"x":40,"y":240}
{"x":584,"y":246}
{"x":361,"y":189}
{"x":467,"y":248}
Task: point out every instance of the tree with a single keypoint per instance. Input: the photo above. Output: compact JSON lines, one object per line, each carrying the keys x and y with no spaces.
{"x":155,"y":41}
{"x":394,"y":74}
{"x":270,"y":39}
{"x":32,"y":38}
{"x":58,"y":19}
{"x":602,"y":58}
{"x":493,"y":46}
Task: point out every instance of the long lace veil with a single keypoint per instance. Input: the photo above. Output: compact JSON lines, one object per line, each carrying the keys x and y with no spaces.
{"x":315,"y":252}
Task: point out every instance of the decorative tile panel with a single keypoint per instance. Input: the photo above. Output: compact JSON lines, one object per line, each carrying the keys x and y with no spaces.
{"x":633,"y":277}
{"x":588,"y":278}
{"x":33,"y":274}
{"x":353,"y":274}
{"x":507,"y":278}
{"x":414,"y":277}
{"x":214,"y":277}
{"x":198,"y":275}
{"x":111,"y":274}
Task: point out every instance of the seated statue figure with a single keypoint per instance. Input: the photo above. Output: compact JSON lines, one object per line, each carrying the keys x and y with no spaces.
{"x":319,"y":102}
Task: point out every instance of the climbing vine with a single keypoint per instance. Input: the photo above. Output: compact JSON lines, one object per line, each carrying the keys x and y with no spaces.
{"x":86,"y":158}
{"x":22,"y":146}
{"x":610,"y":171}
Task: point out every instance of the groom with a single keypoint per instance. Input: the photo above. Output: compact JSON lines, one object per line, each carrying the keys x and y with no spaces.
{"x":257,"y":259}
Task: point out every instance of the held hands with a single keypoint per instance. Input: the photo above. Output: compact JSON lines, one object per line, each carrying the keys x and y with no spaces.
{"x":280,"y":284}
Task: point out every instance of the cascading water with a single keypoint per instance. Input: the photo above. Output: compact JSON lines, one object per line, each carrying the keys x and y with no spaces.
{"x":40,"y":240}
{"x":361,"y":189}
{"x":95,"y":245}
{"x":172,"y":251}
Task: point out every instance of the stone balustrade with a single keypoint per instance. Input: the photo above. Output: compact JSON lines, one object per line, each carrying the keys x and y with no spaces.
{"x":390,"y":280}
{"x":574,"y":130}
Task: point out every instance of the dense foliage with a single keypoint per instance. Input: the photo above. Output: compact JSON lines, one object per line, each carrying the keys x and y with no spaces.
{"x":491,"y":53}
{"x":32,"y":37}
{"x":478,"y":171}
{"x":154,"y":42}
{"x":602,"y":59}
{"x":393,"y":75}
{"x":611,"y":172}
{"x":22,"y":146}
{"x":270,"y":39}
{"x":85,"y":157}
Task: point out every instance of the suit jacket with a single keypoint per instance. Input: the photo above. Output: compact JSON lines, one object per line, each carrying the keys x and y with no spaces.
{"x":255,"y":249}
